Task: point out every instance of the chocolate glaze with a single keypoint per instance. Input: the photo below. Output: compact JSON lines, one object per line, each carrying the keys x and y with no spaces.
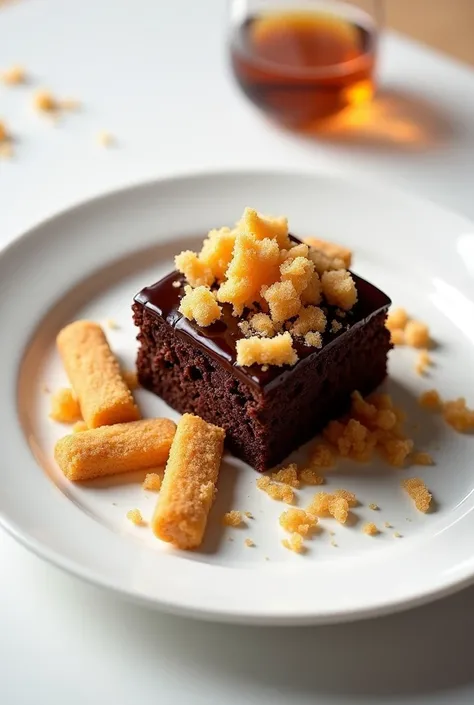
{"x":219,"y":339}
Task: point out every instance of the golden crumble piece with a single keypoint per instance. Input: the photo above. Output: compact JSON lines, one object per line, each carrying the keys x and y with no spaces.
{"x":287,"y":475}
{"x":249,"y":543}
{"x":339,"y":289}
{"x":262,"y":323}
{"x":323,"y":263}
{"x":4,"y":136}
{"x":283,"y":300}
{"x":245,"y":329}
{"x":294,"y":543}
{"x":417,"y":334}
{"x":196,"y":272}
{"x":135,"y":516}
{"x":265,"y":226}
{"x":266,"y":351}
{"x":321,"y":456}
{"x":13,"y":76}
{"x":312,"y":293}
{"x":298,"y":271}
{"x":249,"y":515}
{"x":232,"y":518}
{"x":430,"y":400}
{"x":298,"y":520}
{"x":45,"y":102}
{"x":105,"y":139}
{"x":152,"y":482}
{"x":424,"y":361}
{"x":362,"y":409}
{"x":419,"y":493}
{"x":254,"y":264}
{"x":65,"y":407}
{"x":310,"y":477}
{"x":319,"y":505}
{"x":131,"y":379}
{"x":370,"y":529}
{"x":281,"y":493}
{"x":386,"y":419}
{"x":374,"y":507}
{"x":333,"y":431}
{"x":217,"y":251}
{"x":397,"y":336}
{"x":331,"y":249}
{"x":335,"y":326}
{"x":396,"y":319}
{"x":313,"y":340}
{"x":300,"y":250}
{"x":79,"y":426}
{"x":338,"y":508}
{"x":381,"y":401}
{"x":397,"y":535}
{"x":310,"y":319}
{"x":200,"y":305}
{"x":421,"y":458}
{"x":355,"y":441}
{"x":350,"y":497}
{"x":397,"y":450}
{"x":458,"y":415}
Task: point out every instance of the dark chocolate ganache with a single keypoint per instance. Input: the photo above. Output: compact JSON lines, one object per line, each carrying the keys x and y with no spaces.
{"x":219,"y":339}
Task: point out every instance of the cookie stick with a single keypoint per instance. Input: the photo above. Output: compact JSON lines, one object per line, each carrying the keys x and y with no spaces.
{"x":94,"y":373}
{"x":189,"y":484}
{"x":110,"y":450}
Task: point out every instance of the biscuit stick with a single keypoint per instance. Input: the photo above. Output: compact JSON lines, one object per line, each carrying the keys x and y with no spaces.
{"x":94,"y":373}
{"x":138,"y":445}
{"x":188,"y":487}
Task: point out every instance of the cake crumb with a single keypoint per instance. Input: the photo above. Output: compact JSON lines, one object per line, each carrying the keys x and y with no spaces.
{"x":339,"y":508}
{"x":294,"y":543}
{"x":419,"y":493}
{"x":200,"y":305}
{"x":424,"y":361}
{"x":249,"y":543}
{"x":4,"y":134}
{"x":298,"y":521}
{"x":131,"y":379}
{"x":370,"y":529}
{"x":278,"y":492}
{"x":397,"y":337}
{"x":311,"y":319}
{"x":13,"y":76}
{"x":135,"y":516}
{"x":152,"y":482}
{"x":397,"y":451}
{"x":105,"y":139}
{"x":396,"y":319}
{"x":350,"y":497}
{"x":417,"y":334}
{"x":374,"y":507}
{"x":288,"y":475}
{"x":319,"y":505}
{"x":421,"y":458}
{"x":430,"y":400}
{"x":321,"y":456}
{"x":283,"y":300}
{"x":79,"y":426}
{"x":276,"y":351}
{"x":339,"y":289}
{"x":335,"y":326}
{"x":262,"y":324}
{"x":310,"y":477}
{"x":64,"y":406}
{"x":44,"y":102}
{"x":249,"y":515}
{"x":331,"y":249}
{"x":298,"y":271}
{"x":312,"y":294}
{"x":232,"y":518}
{"x":458,"y":415}
{"x":216,"y":252}
{"x":313,"y":340}
{"x":197,"y":274}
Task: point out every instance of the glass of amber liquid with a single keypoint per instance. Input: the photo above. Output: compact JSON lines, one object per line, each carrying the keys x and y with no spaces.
{"x":303,"y":62}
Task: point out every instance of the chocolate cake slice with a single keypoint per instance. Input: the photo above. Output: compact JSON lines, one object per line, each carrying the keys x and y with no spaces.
{"x":267,"y":411}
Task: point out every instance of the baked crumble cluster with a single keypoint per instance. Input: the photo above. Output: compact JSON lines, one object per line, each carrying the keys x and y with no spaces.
{"x":279,"y":290}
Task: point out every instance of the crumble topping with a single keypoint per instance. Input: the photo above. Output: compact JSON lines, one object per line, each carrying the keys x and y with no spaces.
{"x":338,"y":508}
{"x":3,"y":132}
{"x":331,"y":249}
{"x":311,"y":477}
{"x":279,"y":492}
{"x":421,"y":458}
{"x":430,"y":400}
{"x":13,"y":76}
{"x":200,"y":305}
{"x":266,"y":351}
{"x":419,"y":493}
{"x":397,"y":337}
{"x":424,"y":361}
{"x":249,"y":543}
{"x":404,"y":331}
{"x":271,"y":284}
{"x":65,"y":406}
{"x":417,"y":334}
{"x":45,"y":102}
{"x":397,"y":319}
{"x":373,"y":506}
{"x":232,"y":518}
{"x":350,"y":497}
{"x":458,"y":415}
{"x":294,"y":543}
{"x":321,"y":456}
{"x":135,"y":516}
{"x":298,"y":521}
{"x":287,"y":475}
{"x":370,"y":529}
{"x":152,"y":482}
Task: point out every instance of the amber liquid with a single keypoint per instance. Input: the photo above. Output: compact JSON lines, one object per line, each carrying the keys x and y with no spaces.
{"x":302,"y":67}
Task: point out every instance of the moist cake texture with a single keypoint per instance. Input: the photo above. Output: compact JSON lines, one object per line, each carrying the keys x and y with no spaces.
{"x":267,"y":411}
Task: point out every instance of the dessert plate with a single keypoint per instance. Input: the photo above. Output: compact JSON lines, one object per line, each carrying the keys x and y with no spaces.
{"x":91,"y":260}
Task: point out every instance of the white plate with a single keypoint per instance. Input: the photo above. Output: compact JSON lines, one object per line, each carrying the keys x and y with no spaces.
{"x":91,"y":260}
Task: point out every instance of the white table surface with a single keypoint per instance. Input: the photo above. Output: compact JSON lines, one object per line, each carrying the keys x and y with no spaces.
{"x":153,"y":72}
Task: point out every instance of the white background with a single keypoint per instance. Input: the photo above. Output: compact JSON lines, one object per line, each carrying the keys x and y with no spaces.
{"x":154,"y":73}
